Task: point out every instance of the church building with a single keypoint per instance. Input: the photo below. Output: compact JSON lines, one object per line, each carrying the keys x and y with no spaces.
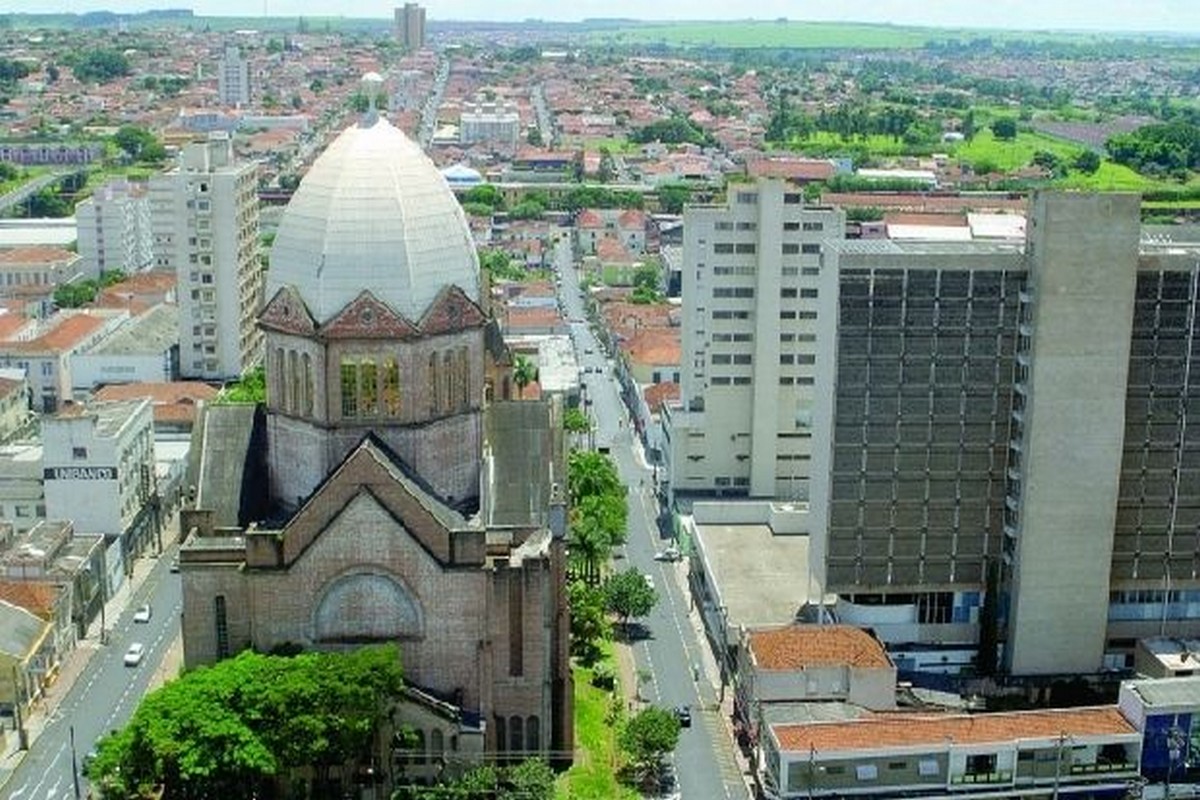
{"x":386,"y":493}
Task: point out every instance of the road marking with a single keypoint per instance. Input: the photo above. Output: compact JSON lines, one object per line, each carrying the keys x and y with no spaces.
{"x":49,"y":769}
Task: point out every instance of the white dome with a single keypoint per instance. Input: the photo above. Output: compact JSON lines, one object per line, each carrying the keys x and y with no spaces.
{"x":373,"y":213}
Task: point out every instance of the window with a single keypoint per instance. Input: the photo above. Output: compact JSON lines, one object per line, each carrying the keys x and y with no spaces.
{"x":78,"y":453}
{"x":533,"y":740}
{"x":897,"y":765}
{"x":809,"y":294}
{"x":516,"y":731}
{"x":746,"y":248}
{"x":747,"y":198}
{"x":742,"y":358}
{"x":791,"y":226}
{"x":390,"y":392}
{"x":747,"y":226}
{"x":793,"y":199}
{"x":723,"y":248}
{"x":928,"y":767}
{"x":866,"y":772}
{"x":790,"y":248}
{"x":723,"y":225}
{"x":721,"y":359}
{"x":222,"y":626}
{"x":787,"y":293}
{"x":814,"y":226}
{"x":981,"y":764}
{"x":810,"y":248}
{"x":349,"y":380}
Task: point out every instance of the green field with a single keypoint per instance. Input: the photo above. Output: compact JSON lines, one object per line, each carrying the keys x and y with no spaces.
{"x":812,"y":35}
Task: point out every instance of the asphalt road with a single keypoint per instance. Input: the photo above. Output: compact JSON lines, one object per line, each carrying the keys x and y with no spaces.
{"x":105,"y":694}
{"x":671,"y":651}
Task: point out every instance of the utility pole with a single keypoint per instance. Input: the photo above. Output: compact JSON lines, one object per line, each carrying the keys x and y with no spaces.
{"x":74,"y":764}
{"x":22,"y":734}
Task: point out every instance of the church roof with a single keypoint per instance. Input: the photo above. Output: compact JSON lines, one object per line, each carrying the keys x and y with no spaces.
{"x":373,"y":212}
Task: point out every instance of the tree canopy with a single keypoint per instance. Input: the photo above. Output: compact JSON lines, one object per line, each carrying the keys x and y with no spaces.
{"x":674,"y":130}
{"x":100,"y":65}
{"x":647,"y":737}
{"x":139,"y":144}
{"x":233,"y":729}
{"x":628,"y":595}
{"x":1167,"y":147}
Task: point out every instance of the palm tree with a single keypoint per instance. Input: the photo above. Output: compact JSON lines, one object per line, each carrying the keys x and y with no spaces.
{"x":524,"y":373}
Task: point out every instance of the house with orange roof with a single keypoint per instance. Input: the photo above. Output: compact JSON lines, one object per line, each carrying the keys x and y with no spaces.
{"x":1066,"y":752}
{"x":174,"y":405}
{"x":653,"y":355}
{"x":46,"y":355}
{"x":38,"y":266}
{"x":795,"y":663}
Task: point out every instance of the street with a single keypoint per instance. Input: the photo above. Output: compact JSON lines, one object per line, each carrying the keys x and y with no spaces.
{"x":704,"y":760}
{"x":105,"y":693}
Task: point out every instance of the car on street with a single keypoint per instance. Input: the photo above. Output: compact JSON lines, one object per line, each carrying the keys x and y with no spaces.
{"x":669,"y":554}
{"x":143,"y":613}
{"x":684,"y":715}
{"x":133,"y":656}
{"x":587,"y":351}
{"x":175,"y":564}
{"x":649,"y":580}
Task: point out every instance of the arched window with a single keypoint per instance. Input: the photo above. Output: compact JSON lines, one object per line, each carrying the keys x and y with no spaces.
{"x":501,"y":738}
{"x":420,"y":754}
{"x":533,"y":739}
{"x":432,"y":383}
{"x":278,"y":380}
{"x":464,"y":379}
{"x":306,"y":388}
{"x":349,"y":386}
{"x":516,"y":738}
{"x":293,"y":382}
{"x":447,"y":376}
{"x":437,"y":747}
{"x":390,"y":392}
{"x":368,"y":388}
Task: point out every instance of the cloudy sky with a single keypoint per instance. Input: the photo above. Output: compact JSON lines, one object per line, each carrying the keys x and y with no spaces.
{"x":1181,"y":16}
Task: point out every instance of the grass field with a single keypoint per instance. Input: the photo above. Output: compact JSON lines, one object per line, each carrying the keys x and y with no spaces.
{"x":810,"y":35}
{"x":592,"y":777}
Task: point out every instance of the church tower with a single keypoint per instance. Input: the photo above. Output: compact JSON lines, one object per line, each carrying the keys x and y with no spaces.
{"x":374,"y":322}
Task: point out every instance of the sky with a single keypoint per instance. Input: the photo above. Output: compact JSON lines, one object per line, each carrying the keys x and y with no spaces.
{"x":1181,"y":16}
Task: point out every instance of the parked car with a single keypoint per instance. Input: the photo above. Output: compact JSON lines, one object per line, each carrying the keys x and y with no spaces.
{"x":670,"y":554}
{"x":175,"y":564}
{"x":684,"y":715}
{"x":133,"y":656}
{"x":142,"y":614}
{"x":649,"y":580}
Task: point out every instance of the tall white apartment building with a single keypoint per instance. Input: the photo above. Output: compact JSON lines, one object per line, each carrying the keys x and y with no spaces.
{"x":233,"y":78}
{"x":750,"y":270}
{"x":113,"y":226}
{"x":204,"y":214}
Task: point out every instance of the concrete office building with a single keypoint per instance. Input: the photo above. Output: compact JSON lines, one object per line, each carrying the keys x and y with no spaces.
{"x":233,"y":78}
{"x":113,"y":227}
{"x":750,"y":303}
{"x":1001,"y":454}
{"x":410,"y":26}
{"x":204,"y":215}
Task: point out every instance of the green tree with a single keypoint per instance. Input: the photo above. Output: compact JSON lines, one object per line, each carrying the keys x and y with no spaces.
{"x":628,"y":595}
{"x":589,"y":621}
{"x":524,"y":373}
{"x":673,"y":197}
{"x":139,"y":144}
{"x":591,"y":473}
{"x":527,"y":209}
{"x":1004,"y":128}
{"x":100,"y":65}
{"x":487,"y":194}
{"x":609,"y":512}
{"x":251,"y":388}
{"x":1087,"y":161}
{"x":647,"y":737}
{"x":46,"y":202}
{"x":575,"y":421}
{"x":534,"y":137}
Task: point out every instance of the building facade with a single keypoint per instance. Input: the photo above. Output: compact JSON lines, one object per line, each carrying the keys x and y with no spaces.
{"x":233,"y":78}
{"x":114,"y":229}
{"x":750,"y":302}
{"x":489,"y":122}
{"x":1002,"y":457}
{"x":410,"y":26}
{"x":379,"y":496}
{"x":204,"y":215}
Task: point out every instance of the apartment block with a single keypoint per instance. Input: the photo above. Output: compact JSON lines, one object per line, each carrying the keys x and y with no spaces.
{"x":204,"y":215}
{"x":410,"y":26}
{"x":1001,"y":455}
{"x":233,"y":78}
{"x":750,"y":300}
{"x":113,"y":226}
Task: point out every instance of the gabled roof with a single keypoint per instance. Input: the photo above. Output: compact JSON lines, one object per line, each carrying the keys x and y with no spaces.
{"x":36,"y":597}
{"x":450,"y":312}
{"x":21,"y":631}
{"x":365,"y":317}
{"x":373,"y":468}
{"x":286,"y":313}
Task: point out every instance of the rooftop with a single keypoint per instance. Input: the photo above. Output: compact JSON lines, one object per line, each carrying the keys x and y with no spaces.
{"x":1167,"y":692}
{"x":801,"y":646}
{"x":152,"y":332}
{"x":909,"y":730}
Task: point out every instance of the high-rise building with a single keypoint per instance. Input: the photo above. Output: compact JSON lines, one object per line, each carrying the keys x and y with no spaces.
{"x":1003,"y":470}
{"x":750,"y":300}
{"x":113,"y":226}
{"x":204,"y":217}
{"x":490,"y":122}
{"x":410,"y":26}
{"x":233,"y":78}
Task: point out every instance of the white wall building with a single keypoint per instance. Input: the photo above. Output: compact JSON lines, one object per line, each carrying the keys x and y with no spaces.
{"x":113,"y":226}
{"x":233,"y":78}
{"x":490,"y":122}
{"x":750,"y":302}
{"x":204,"y":215}
{"x":143,"y":350}
{"x":22,"y":498}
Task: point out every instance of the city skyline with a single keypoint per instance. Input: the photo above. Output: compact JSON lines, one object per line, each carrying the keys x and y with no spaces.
{"x":1114,"y":16}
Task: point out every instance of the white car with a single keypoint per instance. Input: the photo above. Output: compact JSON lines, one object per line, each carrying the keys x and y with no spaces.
{"x":670,"y":554}
{"x":133,"y":656}
{"x":649,"y":581}
{"x":142,"y":614}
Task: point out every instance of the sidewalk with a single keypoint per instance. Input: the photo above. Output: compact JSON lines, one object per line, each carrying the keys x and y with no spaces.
{"x":75,"y":664}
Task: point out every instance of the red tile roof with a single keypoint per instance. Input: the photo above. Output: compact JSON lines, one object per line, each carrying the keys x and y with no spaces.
{"x":170,"y":402}
{"x":68,"y":333}
{"x":36,"y":597}
{"x":795,"y":169}
{"x":799,"y":646}
{"x":658,"y":393}
{"x":906,"y":730}
{"x":655,"y":346}
{"x":947,"y":220}
{"x":36,"y":254}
